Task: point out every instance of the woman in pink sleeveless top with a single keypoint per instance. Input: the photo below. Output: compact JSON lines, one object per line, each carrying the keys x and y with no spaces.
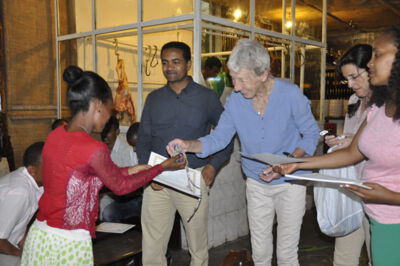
{"x":377,"y":141}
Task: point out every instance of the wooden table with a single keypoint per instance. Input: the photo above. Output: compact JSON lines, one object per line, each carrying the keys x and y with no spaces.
{"x":109,"y":248}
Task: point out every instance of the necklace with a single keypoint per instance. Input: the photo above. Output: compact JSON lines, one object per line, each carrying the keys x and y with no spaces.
{"x":260,"y":103}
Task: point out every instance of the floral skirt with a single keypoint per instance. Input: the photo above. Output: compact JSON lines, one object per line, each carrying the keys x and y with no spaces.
{"x":49,"y":246}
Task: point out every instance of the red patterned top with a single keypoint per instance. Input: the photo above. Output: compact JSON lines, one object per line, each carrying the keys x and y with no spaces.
{"x":75,"y":167}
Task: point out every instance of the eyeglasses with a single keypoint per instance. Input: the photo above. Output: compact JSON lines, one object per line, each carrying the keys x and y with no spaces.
{"x":353,"y":78}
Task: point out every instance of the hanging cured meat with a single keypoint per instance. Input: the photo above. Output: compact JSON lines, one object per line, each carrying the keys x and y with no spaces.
{"x":123,"y":103}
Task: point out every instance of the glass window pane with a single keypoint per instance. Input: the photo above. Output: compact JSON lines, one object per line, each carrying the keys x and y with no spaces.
{"x":123,"y":12}
{"x":153,"y":40}
{"x":279,"y":52}
{"x":235,"y":10}
{"x":312,"y":77}
{"x":120,"y":74}
{"x":217,"y":38}
{"x":74,"y":16}
{"x":77,"y":52}
{"x":155,"y":9}
{"x":268,"y":14}
{"x":218,"y":41}
{"x":309,"y":20}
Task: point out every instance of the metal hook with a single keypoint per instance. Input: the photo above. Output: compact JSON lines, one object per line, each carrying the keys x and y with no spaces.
{"x":147,"y":50}
{"x":116,"y":49}
{"x":154,"y":60}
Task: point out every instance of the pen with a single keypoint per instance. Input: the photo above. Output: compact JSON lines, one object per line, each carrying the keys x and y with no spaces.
{"x":287,"y":154}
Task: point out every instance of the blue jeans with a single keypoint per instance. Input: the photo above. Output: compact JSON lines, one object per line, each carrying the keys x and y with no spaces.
{"x":118,"y":211}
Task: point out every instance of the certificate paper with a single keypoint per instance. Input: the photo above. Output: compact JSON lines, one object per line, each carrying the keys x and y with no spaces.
{"x":317,"y":177}
{"x":272,"y":159}
{"x":117,"y":228}
{"x":178,"y":179}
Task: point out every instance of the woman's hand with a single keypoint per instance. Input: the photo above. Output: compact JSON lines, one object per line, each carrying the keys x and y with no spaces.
{"x":137,"y":168}
{"x":276,"y":171}
{"x":175,"y":163}
{"x":284,"y":169}
{"x":331,"y":140}
{"x":268,"y":175}
{"x":339,"y":142}
{"x":378,"y":194}
{"x":156,"y":187}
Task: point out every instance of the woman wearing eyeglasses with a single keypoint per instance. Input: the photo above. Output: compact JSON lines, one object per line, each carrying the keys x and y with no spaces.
{"x":377,"y":140}
{"x":353,"y":71}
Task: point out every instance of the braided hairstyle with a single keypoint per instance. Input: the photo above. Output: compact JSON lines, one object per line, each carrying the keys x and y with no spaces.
{"x":391,"y":92}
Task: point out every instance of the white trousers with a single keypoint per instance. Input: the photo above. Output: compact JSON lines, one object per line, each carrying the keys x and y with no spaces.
{"x":288,"y":202}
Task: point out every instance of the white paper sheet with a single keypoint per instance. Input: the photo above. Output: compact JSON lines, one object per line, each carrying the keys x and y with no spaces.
{"x":272,"y":159}
{"x":178,"y":179}
{"x":317,"y":177}
{"x":117,"y":228}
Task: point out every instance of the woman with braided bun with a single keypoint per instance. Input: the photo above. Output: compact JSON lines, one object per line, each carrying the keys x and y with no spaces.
{"x":75,"y":167}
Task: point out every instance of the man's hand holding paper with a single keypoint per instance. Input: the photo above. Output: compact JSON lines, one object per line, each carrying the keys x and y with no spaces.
{"x":186,"y":180}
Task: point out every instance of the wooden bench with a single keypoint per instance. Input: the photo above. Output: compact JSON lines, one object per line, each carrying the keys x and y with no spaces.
{"x":110,"y":248}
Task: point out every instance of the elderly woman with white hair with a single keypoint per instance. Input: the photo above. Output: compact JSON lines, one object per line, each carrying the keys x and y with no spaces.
{"x":270,"y":115}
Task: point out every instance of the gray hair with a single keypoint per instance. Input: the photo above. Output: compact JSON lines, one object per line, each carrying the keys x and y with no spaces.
{"x":250,"y":55}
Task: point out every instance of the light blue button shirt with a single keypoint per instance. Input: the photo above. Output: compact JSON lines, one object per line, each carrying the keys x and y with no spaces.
{"x":287,"y":124}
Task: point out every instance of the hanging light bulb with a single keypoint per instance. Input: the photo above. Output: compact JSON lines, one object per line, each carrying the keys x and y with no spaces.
{"x":237,"y":14}
{"x":289,"y":24}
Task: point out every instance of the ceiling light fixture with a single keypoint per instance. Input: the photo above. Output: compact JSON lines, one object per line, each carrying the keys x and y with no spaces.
{"x":237,"y":14}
